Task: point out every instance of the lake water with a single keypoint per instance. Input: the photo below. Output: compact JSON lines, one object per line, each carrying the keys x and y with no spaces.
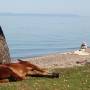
{"x":36,"y":35}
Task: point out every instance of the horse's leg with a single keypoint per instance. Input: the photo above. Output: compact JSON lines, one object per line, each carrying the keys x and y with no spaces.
{"x":15,"y":75}
{"x":4,"y":81}
{"x":18,"y":76}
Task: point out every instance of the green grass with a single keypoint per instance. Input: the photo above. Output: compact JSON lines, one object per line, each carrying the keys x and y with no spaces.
{"x":77,"y":78}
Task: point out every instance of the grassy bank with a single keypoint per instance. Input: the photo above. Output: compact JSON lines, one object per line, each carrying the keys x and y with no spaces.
{"x":77,"y":78}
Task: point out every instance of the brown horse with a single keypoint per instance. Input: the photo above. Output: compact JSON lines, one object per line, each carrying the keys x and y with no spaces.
{"x":19,"y":71}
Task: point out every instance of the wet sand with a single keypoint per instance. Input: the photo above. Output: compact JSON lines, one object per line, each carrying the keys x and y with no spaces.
{"x":61,"y":60}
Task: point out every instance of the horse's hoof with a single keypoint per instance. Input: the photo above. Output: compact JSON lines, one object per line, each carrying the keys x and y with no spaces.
{"x":56,"y":75}
{"x":53,"y":75}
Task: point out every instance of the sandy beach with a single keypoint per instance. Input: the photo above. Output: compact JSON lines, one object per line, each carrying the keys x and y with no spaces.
{"x":61,"y":60}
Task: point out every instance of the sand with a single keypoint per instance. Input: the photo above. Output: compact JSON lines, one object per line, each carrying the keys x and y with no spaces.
{"x":61,"y":60}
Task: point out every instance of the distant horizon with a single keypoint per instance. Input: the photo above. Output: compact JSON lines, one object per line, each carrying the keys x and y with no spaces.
{"x":77,"y":7}
{"x":22,"y":13}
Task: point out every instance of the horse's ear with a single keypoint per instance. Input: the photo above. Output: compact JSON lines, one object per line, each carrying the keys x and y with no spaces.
{"x":20,"y":60}
{"x":1,"y":32}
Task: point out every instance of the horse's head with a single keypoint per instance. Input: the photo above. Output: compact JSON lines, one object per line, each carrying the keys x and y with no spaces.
{"x":26,"y":64}
{"x":30,"y":66}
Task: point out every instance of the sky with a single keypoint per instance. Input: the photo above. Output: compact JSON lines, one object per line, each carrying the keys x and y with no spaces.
{"x":80,"y":7}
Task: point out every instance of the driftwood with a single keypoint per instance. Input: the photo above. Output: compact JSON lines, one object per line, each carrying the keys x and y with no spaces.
{"x":81,"y":62}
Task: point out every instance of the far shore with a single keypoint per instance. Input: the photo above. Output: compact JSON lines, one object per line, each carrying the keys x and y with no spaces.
{"x":61,"y":60}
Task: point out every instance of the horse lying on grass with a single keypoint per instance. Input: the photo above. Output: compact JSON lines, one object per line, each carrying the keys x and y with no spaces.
{"x":18,"y":71}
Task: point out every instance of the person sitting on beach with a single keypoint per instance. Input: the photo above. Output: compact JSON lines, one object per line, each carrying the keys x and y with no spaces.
{"x":83,"y":46}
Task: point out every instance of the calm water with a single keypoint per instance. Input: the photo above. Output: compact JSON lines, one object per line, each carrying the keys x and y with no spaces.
{"x":34,"y":35}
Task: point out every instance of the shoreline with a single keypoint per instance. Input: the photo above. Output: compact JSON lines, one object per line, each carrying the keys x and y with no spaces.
{"x":61,"y":60}
{"x":56,"y":52}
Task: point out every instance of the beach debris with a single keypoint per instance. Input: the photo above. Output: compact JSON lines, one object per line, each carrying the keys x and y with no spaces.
{"x":81,"y":62}
{"x":88,"y":62}
{"x":81,"y":52}
{"x":4,"y":50}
